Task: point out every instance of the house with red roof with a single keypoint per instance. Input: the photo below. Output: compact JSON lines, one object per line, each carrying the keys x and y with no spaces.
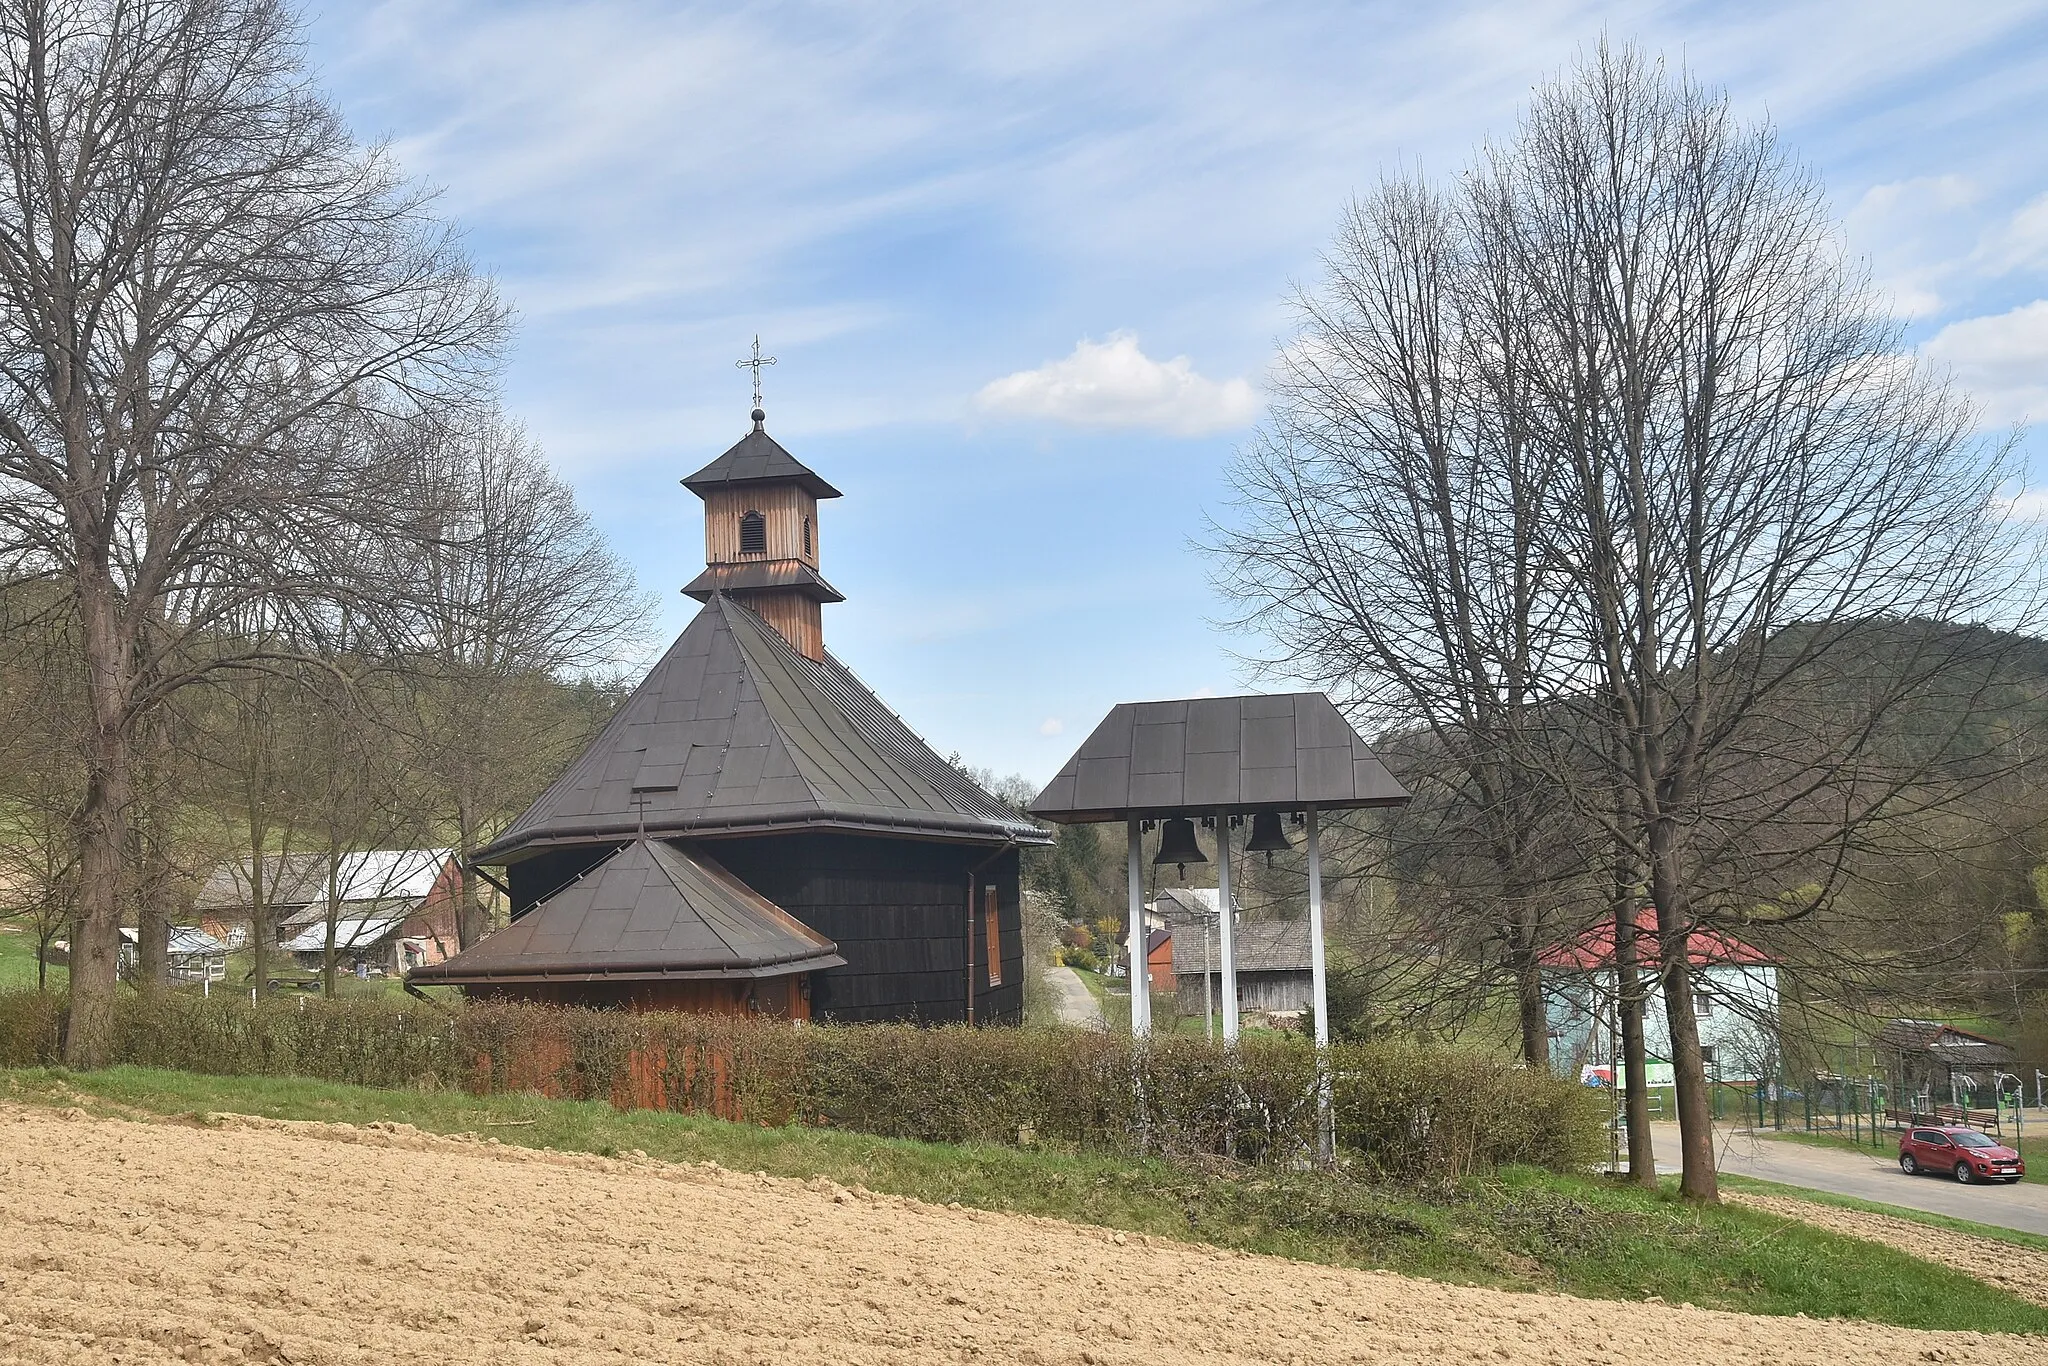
{"x":1735,"y":1003}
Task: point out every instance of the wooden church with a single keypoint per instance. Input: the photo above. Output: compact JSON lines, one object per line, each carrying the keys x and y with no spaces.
{"x":754,"y":831}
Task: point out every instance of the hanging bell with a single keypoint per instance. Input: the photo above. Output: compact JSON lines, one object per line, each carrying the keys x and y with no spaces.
{"x":1268,"y":837}
{"x":1177,"y":844}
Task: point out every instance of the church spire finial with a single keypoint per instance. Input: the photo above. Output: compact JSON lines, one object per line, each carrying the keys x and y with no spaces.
{"x":759,"y":360}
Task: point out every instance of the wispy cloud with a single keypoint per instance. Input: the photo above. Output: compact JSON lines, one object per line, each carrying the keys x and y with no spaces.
{"x":1113,"y":383}
{"x":2002,"y":360}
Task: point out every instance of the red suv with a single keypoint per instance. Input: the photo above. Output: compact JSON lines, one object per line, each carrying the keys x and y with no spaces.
{"x":1962,"y":1153}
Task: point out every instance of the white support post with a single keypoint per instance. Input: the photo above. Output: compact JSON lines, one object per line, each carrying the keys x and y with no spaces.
{"x":1209,"y":983}
{"x":1227,"y":936}
{"x":1326,"y":1135}
{"x":1141,"y":970}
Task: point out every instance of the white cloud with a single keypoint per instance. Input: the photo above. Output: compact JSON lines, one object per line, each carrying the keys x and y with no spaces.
{"x":1051,"y":725}
{"x":2023,"y":242}
{"x":1114,"y":384}
{"x":1915,"y":232}
{"x":2001,"y":359}
{"x":2029,"y":506}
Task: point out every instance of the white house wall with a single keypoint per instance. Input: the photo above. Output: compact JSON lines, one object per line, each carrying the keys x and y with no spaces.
{"x":1739,"y":1023}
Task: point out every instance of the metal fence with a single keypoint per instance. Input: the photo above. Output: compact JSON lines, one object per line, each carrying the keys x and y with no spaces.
{"x":1866,"y":1110}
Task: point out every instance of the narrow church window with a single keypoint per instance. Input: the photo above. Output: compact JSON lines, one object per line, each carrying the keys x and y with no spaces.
{"x":807,"y":535}
{"x":753,"y":533}
{"x":993,"y":918}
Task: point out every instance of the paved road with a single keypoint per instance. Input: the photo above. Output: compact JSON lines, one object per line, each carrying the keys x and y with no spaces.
{"x":1871,"y":1175}
{"x":1076,"y":1003}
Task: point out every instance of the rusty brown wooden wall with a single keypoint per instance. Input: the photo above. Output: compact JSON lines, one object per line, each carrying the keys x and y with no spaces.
{"x":784,"y":508}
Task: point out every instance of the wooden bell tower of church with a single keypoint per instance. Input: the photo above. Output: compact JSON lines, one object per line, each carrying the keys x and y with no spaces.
{"x":761,"y":537}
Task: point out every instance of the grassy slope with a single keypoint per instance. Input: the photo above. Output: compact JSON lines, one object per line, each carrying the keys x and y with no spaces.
{"x":18,"y":961}
{"x":1523,"y":1230}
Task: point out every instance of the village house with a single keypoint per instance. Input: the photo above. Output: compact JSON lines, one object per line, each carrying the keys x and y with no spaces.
{"x":1735,"y":1003}
{"x":392,"y":909}
{"x":1274,"y":974}
{"x":754,"y":830}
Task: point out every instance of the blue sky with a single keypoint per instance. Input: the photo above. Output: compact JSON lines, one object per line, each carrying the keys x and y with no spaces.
{"x":1023,"y":266}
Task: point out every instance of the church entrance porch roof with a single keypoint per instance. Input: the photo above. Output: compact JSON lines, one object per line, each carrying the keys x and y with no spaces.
{"x":652,"y":910}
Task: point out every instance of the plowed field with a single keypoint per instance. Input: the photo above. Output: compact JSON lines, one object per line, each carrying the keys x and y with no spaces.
{"x":258,"y":1240}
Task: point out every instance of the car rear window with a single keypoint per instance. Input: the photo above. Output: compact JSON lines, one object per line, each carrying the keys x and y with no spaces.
{"x":1972,"y":1141}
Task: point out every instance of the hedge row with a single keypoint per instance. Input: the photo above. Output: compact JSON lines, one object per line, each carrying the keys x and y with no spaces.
{"x":1409,"y":1113}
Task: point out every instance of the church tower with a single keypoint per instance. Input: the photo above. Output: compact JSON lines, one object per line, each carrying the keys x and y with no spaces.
{"x":761,"y":537}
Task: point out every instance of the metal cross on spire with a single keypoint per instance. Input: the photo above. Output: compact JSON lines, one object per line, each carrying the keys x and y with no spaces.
{"x":755,"y":365}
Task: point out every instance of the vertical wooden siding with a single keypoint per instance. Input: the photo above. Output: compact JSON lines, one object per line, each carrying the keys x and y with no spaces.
{"x":785,"y":509}
{"x":795,"y":616}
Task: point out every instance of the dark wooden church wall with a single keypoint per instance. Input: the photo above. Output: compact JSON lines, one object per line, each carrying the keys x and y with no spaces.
{"x":534,"y":880}
{"x":898,"y":911}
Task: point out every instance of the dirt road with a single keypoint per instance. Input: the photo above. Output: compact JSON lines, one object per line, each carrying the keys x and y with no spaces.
{"x":258,"y":1241}
{"x":1872,"y":1175}
{"x":1076,"y":1003}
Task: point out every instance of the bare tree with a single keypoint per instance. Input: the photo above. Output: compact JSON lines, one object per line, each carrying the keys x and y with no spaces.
{"x":515,"y":593}
{"x":1752,"y":483}
{"x":1610,"y":468}
{"x":206,"y":287}
{"x":1388,"y":544}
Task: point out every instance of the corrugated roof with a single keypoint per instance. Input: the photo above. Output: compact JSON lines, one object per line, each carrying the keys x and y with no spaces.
{"x":348,"y":934}
{"x":298,"y":879}
{"x":651,"y":910}
{"x":756,"y":459}
{"x":733,"y":731}
{"x":1202,"y":755}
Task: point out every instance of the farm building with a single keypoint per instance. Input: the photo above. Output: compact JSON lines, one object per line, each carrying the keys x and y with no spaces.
{"x":754,"y":830}
{"x":1735,"y":1000}
{"x":419,"y":887}
{"x":190,"y":954}
{"x":1273,"y":967}
{"x":1928,"y":1063}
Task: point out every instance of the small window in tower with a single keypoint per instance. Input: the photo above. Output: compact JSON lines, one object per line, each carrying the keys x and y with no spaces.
{"x":992,"y":918}
{"x":807,"y":535}
{"x":753,"y":533}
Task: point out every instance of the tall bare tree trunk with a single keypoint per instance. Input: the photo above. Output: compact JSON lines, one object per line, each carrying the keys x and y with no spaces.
{"x":1698,"y":1179}
{"x":261,"y":931}
{"x":1525,"y":959}
{"x":1635,"y":1053}
{"x":471,"y":921}
{"x":102,"y":829}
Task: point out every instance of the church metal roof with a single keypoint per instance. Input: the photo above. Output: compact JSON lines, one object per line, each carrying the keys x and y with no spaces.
{"x":756,"y":459}
{"x":734,"y":732}
{"x":652,"y":910}
{"x":762,"y":574}
{"x":1203,"y":755}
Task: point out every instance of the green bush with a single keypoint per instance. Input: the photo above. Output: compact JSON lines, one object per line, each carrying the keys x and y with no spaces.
{"x":1404,"y":1112}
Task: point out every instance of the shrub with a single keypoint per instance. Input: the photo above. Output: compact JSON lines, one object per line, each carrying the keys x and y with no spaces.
{"x":1404,"y":1112}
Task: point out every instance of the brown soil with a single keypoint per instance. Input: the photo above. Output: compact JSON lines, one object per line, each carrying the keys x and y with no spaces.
{"x":2021,"y":1270}
{"x":261,"y":1241}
